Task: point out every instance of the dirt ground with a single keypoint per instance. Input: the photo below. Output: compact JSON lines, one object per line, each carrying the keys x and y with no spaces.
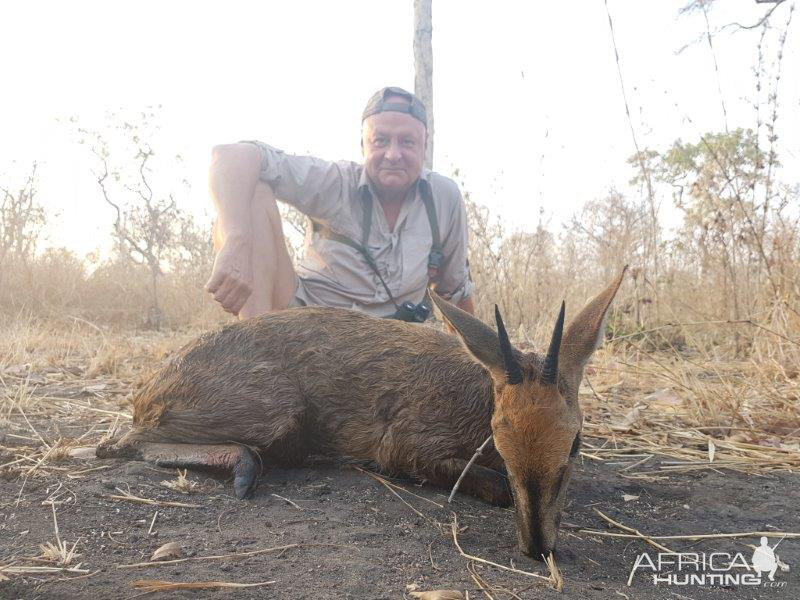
{"x":328,"y":530}
{"x":343,"y":534}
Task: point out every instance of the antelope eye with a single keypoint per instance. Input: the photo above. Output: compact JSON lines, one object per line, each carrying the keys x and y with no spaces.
{"x":576,"y":445}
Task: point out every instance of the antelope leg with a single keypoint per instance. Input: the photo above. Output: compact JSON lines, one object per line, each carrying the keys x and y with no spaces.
{"x":481,"y":482}
{"x":236,"y":458}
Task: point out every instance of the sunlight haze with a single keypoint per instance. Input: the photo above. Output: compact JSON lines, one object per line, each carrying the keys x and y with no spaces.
{"x":527,"y":100}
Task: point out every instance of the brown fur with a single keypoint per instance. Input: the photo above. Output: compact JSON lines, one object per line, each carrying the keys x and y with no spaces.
{"x":342,"y":383}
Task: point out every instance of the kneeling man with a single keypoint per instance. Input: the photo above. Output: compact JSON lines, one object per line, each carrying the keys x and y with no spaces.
{"x":380,"y":232}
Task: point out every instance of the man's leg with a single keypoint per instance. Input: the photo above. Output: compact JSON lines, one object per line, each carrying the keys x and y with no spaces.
{"x":772,"y":572}
{"x":274,"y":277}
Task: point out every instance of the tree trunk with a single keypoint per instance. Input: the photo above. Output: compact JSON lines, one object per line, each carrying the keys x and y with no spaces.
{"x":423,"y":67}
{"x":154,"y":314}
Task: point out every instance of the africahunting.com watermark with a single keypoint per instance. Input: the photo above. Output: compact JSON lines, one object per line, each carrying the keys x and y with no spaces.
{"x":712,"y":568}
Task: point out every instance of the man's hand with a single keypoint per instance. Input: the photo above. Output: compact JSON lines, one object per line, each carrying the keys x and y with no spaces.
{"x":231,"y":280}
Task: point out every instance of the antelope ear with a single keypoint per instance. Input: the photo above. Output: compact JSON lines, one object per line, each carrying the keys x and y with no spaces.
{"x":585,"y":333}
{"x":480,"y":339}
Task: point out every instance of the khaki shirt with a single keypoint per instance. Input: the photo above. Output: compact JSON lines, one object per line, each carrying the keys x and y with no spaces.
{"x":332,"y":273}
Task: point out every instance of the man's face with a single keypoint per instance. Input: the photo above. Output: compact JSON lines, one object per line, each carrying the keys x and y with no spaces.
{"x":394,"y":150}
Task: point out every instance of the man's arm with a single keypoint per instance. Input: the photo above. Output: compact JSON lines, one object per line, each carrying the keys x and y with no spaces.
{"x":454,"y":281}
{"x":314,"y":186}
{"x":232,"y":180}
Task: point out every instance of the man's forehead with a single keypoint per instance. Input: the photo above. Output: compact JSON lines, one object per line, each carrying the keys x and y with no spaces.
{"x":393,"y":122}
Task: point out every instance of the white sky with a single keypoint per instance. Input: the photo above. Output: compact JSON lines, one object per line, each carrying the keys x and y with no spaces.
{"x":526,"y":94}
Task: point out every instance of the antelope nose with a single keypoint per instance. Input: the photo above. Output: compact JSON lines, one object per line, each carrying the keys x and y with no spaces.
{"x":538,"y":549}
{"x":535,"y":552}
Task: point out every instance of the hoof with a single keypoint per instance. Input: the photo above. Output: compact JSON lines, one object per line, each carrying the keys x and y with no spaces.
{"x":105,"y":449}
{"x":117,"y":449}
{"x":245,"y":473}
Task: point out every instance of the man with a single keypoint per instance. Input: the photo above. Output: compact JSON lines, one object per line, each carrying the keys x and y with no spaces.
{"x":372,"y":242}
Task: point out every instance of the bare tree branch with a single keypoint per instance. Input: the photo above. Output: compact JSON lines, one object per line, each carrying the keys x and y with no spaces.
{"x":762,"y":20}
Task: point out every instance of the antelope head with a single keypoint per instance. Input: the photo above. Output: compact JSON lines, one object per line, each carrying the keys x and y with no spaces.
{"x":536,"y":418}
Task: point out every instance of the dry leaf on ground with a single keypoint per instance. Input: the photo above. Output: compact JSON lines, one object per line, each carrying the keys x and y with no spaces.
{"x":168,"y":551}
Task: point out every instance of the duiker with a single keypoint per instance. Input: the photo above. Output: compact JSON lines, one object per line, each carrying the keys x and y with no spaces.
{"x":409,"y":398}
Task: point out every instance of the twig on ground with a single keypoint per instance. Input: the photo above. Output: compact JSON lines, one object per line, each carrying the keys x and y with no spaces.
{"x":430,"y":555}
{"x":152,"y":523}
{"x":397,"y":487}
{"x":24,"y":570}
{"x":14,"y":462}
{"x":399,"y":497}
{"x":454,"y":529}
{"x":694,"y":538}
{"x":128,"y":497}
{"x":480,"y":581}
{"x":472,"y":460}
{"x":92,"y":574}
{"x":289,"y":502}
{"x":636,"y":532}
{"x":50,"y":450}
{"x":235,"y":555}
{"x":161,"y":586}
{"x":219,"y":517}
{"x":33,"y":429}
{"x":81,"y":473}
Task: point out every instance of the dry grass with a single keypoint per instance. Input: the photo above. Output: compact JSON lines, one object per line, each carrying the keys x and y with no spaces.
{"x":59,"y":557}
{"x":126,"y":496}
{"x":699,"y":413}
{"x":59,"y":553}
{"x":181,"y":483}
{"x":65,"y":383}
{"x":556,"y":579}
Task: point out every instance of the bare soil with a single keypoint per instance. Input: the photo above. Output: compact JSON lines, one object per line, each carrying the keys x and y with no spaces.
{"x":350,"y":537}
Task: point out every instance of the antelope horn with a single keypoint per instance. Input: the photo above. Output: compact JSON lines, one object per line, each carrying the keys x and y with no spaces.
{"x":512,"y":368}
{"x":550,"y":369}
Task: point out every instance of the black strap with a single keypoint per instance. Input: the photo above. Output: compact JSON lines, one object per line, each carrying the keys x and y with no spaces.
{"x":436,"y":255}
{"x":363,"y":250}
{"x":366,"y":221}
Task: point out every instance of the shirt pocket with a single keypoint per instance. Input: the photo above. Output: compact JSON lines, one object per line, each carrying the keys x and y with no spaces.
{"x":416,"y":248}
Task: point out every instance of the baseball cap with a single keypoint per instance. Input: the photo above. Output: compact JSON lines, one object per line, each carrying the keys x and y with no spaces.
{"x":378,"y":103}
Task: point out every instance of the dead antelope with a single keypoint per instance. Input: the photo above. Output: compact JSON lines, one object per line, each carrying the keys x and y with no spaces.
{"x":337,"y":382}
